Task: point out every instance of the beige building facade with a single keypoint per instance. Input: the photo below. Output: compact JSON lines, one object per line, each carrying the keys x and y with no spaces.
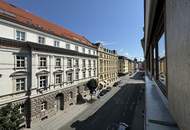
{"x":123,"y":65}
{"x":107,"y":65}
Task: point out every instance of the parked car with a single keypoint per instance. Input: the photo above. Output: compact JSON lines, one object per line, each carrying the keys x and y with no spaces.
{"x":103,"y":92}
{"x":108,"y":88}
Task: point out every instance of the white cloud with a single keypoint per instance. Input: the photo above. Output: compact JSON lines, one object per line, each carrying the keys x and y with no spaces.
{"x":106,"y":43}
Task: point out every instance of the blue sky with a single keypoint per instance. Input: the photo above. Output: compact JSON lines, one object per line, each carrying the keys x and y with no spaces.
{"x":116,"y":23}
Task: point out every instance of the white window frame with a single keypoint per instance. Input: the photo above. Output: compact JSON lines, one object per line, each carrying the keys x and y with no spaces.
{"x":22,"y":59}
{"x":76,"y":75}
{"x":20,"y":82}
{"x":89,"y":63}
{"x":43,"y":106}
{"x":83,"y":62}
{"x":76,"y":62}
{"x":42,"y":63}
{"x":56,"y":62}
{"x":41,"y":40}
{"x":76,"y":48}
{"x":68,"y":46}
{"x":89,"y":73}
{"x":83,"y":49}
{"x":69,"y":80}
{"x":21,"y":109}
{"x":69,"y":62}
{"x":41,"y":82}
{"x":94,"y":62}
{"x":56,"y":43}
{"x":60,"y":78}
{"x":20,"y":35}
{"x":84,"y":74}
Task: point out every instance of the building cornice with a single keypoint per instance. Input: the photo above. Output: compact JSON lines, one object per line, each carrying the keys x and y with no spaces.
{"x":41,"y":48}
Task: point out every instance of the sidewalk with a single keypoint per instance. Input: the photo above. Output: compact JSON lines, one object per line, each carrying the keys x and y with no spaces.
{"x":64,"y":117}
{"x":157,"y":116}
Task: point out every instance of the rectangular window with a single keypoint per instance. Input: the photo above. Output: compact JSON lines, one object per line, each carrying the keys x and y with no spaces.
{"x":58,"y":62}
{"x":58,"y":78}
{"x":67,"y":46}
{"x":43,"y":82}
{"x":94,"y":52}
{"x":20,"y":84}
{"x":83,"y":50}
{"x":89,"y":72}
{"x":76,"y":62}
{"x":94,"y":73}
{"x":94,"y":62}
{"x":69,"y":63}
{"x":41,"y":40}
{"x":76,"y":48}
{"x":43,"y":62}
{"x":89,"y":63}
{"x":43,"y":106}
{"x":21,"y":109}
{"x":56,"y":44}
{"x":162,"y":60}
{"x":89,"y":51}
{"x":83,"y":63}
{"x":20,"y":61}
{"x":20,"y":36}
{"x":77,"y":76}
{"x":84,"y":74}
{"x":69,"y":77}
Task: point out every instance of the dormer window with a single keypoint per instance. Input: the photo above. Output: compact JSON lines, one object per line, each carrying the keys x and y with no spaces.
{"x":67,"y":46}
{"x":41,"y":40}
{"x":76,"y":48}
{"x":83,"y":50}
{"x":20,"y":36}
{"x":56,"y":44}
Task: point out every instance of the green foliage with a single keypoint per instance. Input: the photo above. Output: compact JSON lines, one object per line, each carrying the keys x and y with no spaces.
{"x":92,"y":85}
{"x":10,"y":117}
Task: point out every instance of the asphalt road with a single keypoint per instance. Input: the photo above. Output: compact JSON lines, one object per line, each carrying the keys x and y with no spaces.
{"x":119,"y":108}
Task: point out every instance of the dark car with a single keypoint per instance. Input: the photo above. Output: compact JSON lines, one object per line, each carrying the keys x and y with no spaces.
{"x":108,"y":88}
{"x":103,"y":92}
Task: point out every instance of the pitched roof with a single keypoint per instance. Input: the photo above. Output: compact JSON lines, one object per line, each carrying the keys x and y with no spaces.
{"x":18,"y":15}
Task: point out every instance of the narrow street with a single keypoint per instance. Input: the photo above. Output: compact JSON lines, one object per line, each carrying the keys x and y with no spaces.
{"x":119,"y":108}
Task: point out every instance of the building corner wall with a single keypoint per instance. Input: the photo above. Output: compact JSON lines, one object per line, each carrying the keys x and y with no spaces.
{"x":178,"y":64}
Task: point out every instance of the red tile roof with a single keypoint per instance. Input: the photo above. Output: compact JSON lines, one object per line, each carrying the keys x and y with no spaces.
{"x":23,"y":17}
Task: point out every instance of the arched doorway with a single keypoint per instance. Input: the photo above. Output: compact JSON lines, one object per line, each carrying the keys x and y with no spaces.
{"x":59,"y":102}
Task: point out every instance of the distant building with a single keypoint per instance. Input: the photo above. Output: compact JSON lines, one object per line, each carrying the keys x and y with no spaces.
{"x":107,"y":65}
{"x":123,"y":65}
{"x":43,"y":67}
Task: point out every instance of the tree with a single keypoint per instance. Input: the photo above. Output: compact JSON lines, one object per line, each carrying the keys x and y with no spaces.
{"x":92,"y":85}
{"x":10,"y":117}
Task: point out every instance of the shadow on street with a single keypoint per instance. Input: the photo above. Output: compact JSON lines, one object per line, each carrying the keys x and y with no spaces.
{"x":120,"y":108}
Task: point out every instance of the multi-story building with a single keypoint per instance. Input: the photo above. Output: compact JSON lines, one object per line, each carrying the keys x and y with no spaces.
{"x":167,"y":33}
{"x":107,"y":65}
{"x":131,"y":66}
{"x":123,"y":65}
{"x":43,"y":66}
